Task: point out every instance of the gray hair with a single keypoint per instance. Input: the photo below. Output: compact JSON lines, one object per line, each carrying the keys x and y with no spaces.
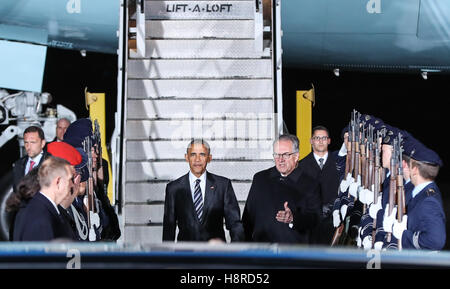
{"x":64,"y":118}
{"x":289,"y":137}
{"x":199,"y":141}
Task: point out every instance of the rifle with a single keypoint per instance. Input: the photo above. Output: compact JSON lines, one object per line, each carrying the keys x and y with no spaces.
{"x":363,"y":156}
{"x":401,"y":210}
{"x":348,"y":160}
{"x":370,"y":159}
{"x":97,"y":142}
{"x":92,"y":215}
{"x":392,"y":182}
{"x":376,"y":179}
{"x":357,"y":167}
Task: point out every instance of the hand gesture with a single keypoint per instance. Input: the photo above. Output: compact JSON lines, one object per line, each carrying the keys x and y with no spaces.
{"x":286,"y":215}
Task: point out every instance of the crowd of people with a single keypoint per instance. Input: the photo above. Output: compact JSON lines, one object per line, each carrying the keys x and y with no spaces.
{"x":60,"y":187}
{"x":376,"y":192}
{"x":319,"y":199}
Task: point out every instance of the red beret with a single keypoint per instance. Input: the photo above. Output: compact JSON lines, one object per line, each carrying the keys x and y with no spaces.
{"x":65,"y":151}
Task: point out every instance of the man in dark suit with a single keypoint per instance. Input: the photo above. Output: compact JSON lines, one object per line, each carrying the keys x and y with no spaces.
{"x":199,"y":201}
{"x":34,"y":142}
{"x":41,"y":220}
{"x":283,"y":204}
{"x":321,"y":165}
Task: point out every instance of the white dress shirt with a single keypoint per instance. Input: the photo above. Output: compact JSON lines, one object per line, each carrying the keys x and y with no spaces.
{"x":192,"y":180}
{"x":36,"y":161}
{"x":324,"y":158}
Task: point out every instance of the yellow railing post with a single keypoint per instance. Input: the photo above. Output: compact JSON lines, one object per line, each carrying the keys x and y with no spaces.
{"x":305,"y":101}
{"x":96,"y":103}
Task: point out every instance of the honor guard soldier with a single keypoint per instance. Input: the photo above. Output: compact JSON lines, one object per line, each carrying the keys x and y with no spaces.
{"x":424,"y":225}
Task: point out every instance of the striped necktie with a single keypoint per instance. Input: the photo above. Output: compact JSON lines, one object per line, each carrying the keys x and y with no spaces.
{"x":321,"y":163}
{"x":198,"y":200}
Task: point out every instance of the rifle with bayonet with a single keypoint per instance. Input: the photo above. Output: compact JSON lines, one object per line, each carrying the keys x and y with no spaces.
{"x":92,"y":216}
{"x":392,"y":183}
{"x":401,"y":208}
{"x":97,"y":141}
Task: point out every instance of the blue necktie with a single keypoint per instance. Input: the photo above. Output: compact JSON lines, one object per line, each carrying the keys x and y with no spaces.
{"x":198,"y":200}
{"x":321,"y":163}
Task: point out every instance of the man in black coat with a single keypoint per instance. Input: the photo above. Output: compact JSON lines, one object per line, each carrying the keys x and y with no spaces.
{"x":41,"y":220}
{"x":321,"y":165}
{"x":34,"y":142}
{"x":199,"y":201}
{"x":283,"y":204}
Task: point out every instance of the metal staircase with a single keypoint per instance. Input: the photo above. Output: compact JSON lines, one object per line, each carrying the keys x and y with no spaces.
{"x":193,"y":69}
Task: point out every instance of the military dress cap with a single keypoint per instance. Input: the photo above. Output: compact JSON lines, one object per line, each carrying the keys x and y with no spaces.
{"x":78,"y":131}
{"x":65,"y":151}
{"x":82,"y":167}
{"x":418,"y":151}
{"x":390,"y":134}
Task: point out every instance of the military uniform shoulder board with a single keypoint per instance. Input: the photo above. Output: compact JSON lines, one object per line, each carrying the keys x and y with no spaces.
{"x":431,"y":192}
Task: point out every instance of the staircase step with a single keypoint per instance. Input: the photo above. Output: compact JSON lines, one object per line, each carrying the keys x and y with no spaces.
{"x":241,"y":9}
{"x":201,"y":48}
{"x":155,"y":192}
{"x":206,"y":109}
{"x":200,"y":29}
{"x":142,"y":234}
{"x":225,"y":149}
{"x":200,"y":88}
{"x":150,"y":214}
{"x":200,"y":68}
{"x":170,"y":170}
{"x":253,"y":129}
{"x":151,"y":234}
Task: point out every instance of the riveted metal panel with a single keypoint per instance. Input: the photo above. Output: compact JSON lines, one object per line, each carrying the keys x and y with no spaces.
{"x":168,"y":170}
{"x":200,"y":109}
{"x":220,"y":149}
{"x":200,"y":48}
{"x":200,"y":29}
{"x":173,"y":130}
{"x":200,"y":88}
{"x":200,"y":68}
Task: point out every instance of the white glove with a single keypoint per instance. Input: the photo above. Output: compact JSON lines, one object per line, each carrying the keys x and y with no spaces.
{"x":374,"y":208}
{"x":358,"y":239}
{"x":343,"y":211}
{"x":398,"y":228}
{"x":336,"y":218}
{"x":367,"y":242}
{"x":353,"y":190}
{"x":346,"y":182}
{"x":388,"y":221}
{"x":378,"y":245}
{"x":366,"y":196}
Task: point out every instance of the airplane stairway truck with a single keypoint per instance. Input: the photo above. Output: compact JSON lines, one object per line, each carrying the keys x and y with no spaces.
{"x":203,"y":70}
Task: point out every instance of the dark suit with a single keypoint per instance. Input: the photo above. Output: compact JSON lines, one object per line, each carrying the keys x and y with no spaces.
{"x":39,"y":221}
{"x":267,"y":195}
{"x":19,"y":169}
{"x":219,"y":203}
{"x":328,"y":178}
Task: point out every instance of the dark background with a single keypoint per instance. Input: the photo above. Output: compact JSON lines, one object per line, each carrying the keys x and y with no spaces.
{"x":401,"y":100}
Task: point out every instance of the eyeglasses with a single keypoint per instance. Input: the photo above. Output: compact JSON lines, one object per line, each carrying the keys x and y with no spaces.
{"x":284,"y":156}
{"x":320,"y":138}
